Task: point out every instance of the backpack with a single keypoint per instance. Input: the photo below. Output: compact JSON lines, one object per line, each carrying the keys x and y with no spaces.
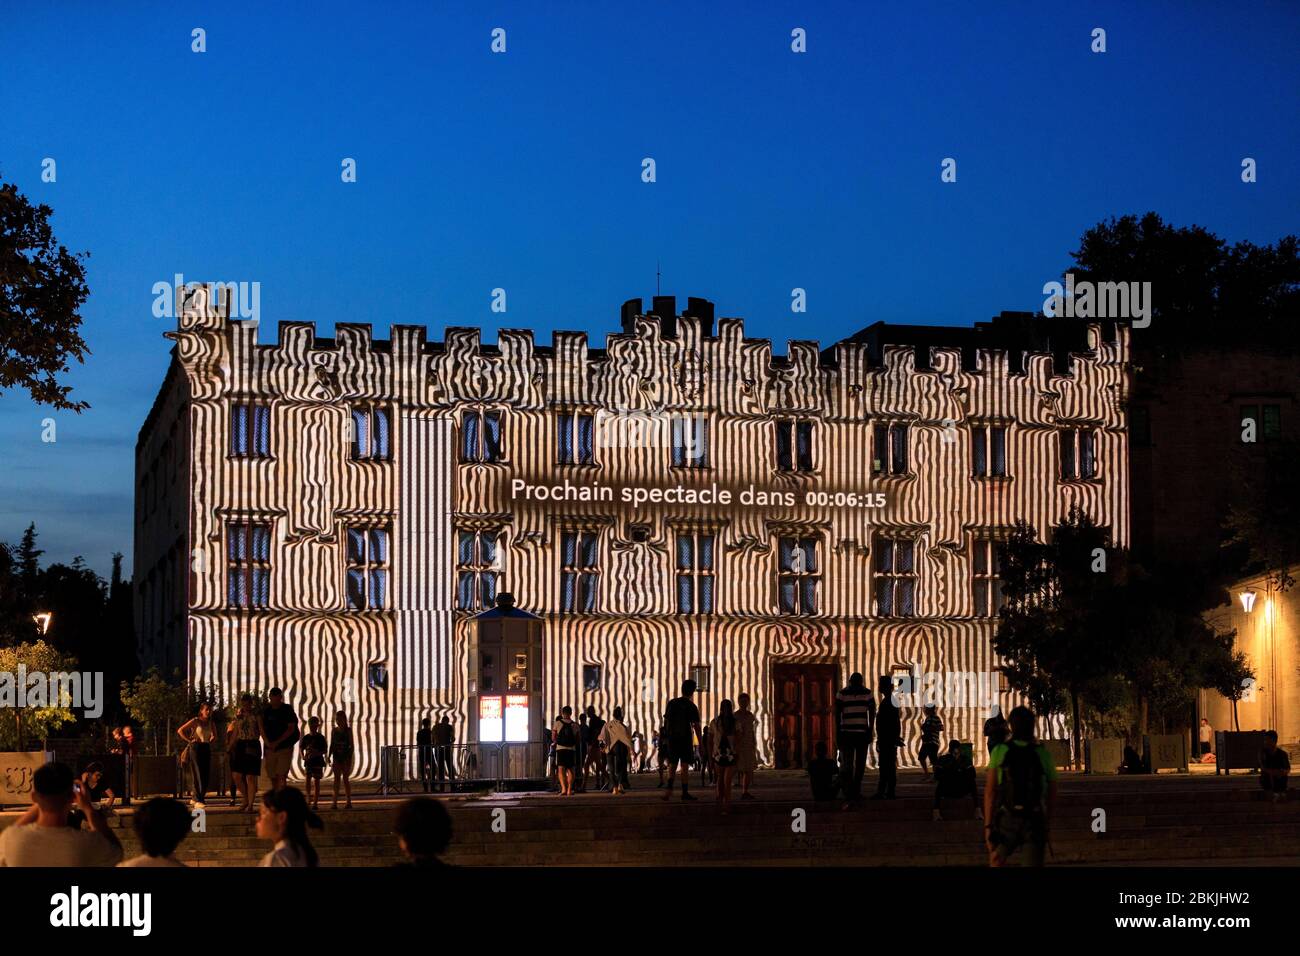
{"x":566,"y":736}
{"x":1022,"y":780}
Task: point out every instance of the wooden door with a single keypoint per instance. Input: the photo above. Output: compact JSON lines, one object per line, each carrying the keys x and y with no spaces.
{"x":803,"y":712}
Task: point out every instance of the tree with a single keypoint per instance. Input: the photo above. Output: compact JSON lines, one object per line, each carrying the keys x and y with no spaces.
{"x":1053,"y":633}
{"x":29,"y":564}
{"x":1263,"y":516}
{"x":1231,"y":676}
{"x":42,"y":289}
{"x":155,"y":703}
{"x":1201,"y":285}
{"x":41,"y":720}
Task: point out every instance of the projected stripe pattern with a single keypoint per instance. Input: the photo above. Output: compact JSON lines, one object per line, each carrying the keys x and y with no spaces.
{"x":311,"y":491}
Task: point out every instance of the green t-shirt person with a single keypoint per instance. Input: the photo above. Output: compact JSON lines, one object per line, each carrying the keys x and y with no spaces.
{"x":999,"y":756}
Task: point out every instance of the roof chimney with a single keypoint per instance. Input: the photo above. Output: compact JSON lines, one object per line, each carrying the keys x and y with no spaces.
{"x":631,"y":309}
{"x":701,"y":309}
{"x":665,"y":306}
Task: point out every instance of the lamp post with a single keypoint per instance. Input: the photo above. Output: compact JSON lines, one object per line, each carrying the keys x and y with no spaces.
{"x":43,"y":619}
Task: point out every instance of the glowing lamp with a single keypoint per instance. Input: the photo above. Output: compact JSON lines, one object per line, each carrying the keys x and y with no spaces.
{"x":43,"y":621}
{"x":1247,"y":601}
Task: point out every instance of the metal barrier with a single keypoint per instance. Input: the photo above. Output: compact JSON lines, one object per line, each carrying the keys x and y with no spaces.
{"x":403,"y":768}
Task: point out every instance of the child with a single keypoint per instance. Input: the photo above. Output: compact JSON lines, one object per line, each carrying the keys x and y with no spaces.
{"x":313,"y":760}
{"x":822,"y":772}
{"x":931,"y":728}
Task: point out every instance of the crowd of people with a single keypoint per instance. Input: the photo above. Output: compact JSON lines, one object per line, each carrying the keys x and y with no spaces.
{"x":64,"y":828}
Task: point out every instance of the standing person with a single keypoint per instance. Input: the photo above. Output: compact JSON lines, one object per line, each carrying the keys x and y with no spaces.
{"x":1207,"y":738}
{"x":161,"y":825}
{"x":707,"y":774}
{"x":682,"y":724}
{"x":1019,"y":794}
{"x":931,"y":728}
{"x":341,"y":754}
{"x":584,"y":744}
{"x":661,"y":751}
{"x":722,"y":736}
{"x":424,"y":753}
{"x":746,"y":745}
{"x":889,"y":737}
{"x":280,"y":731}
{"x":1274,"y":767}
{"x":552,"y":770}
{"x":198,"y":734}
{"x":244,"y":743}
{"x":617,"y":743}
{"x":595,"y":752}
{"x":638,"y":752}
{"x":41,"y":835}
{"x":855,"y":717}
{"x":313,"y":760}
{"x":129,"y":748}
{"x":117,"y":746}
{"x":995,"y":730}
{"x":444,"y":742}
{"x":284,"y":820}
{"x":565,"y":734}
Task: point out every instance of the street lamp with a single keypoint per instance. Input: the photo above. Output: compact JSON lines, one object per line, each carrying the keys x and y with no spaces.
{"x":42,"y":620}
{"x":1247,"y":601}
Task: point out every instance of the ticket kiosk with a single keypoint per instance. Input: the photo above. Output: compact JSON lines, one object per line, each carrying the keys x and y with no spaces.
{"x":506,"y":721}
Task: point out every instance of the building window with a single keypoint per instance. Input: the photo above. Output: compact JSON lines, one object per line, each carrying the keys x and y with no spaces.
{"x":1078,"y":453}
{"x":478,"y":570}
{"x":480,"y":436}
{"x":895,"y":568}
{"x":890,"y":452}
{"x":250,"y":430}
{"x":701,"y":674}
{"x":371,"y":433}
{"x":591,"y":677}
{"x":377,"y":675}
{"x":695,"y":573}
{"x":986,"y":579}
{"x":368,"y":563}
{"x":989,"y":451}
{"x":1267,"y":419}
{"x":579,"y":571}
{"x":690,"y":442}
{"x":794,"y":441}
{"x":798,"y":575}
{"x":575,"y":438}
{"x":248,"y":565}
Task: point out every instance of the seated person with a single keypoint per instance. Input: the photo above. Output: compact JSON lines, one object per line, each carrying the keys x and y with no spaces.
{"x":954,"y":779}
{"x":1274,"y":766}
{"x":101,"y":795}
{"x":822,"y":772}
{"x":1132,"y":762}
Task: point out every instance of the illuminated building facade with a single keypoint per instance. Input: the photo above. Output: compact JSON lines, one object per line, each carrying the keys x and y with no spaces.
{"x":328,"y":515}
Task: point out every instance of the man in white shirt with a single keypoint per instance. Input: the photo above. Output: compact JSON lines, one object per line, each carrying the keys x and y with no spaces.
{"x":42,"y":837}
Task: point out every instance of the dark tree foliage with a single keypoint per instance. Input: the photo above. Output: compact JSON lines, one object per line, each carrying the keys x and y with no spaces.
{"x":1263,"y":518}
{"x":1203,"y":290}
{"x":42,"y":288}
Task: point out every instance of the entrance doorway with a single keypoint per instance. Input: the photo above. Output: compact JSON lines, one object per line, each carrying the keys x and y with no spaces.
{"x":804,"y":711}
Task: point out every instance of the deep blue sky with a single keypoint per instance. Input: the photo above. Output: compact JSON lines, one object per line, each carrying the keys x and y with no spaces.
{"x":522,"y":171}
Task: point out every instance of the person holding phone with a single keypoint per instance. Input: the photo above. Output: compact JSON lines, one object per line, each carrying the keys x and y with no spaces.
{"x":41,"y":836}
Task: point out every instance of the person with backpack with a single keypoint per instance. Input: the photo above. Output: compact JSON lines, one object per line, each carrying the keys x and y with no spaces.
{"x":954,"y":777}
{"x":682,"y":722}
{"x":889,"y":737}
{"x":565,"y":735}
{"x":723,"y":733}
{"x":1019,"y":794}
{"x":855,"y":718}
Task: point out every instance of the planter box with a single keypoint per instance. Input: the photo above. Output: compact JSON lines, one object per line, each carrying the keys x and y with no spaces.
{"x":1103,"y":754}
{"x":154,"y":774}
{"x":1165,"y":752}
{"x":1060,"y":751}
{"x":16,"y":770}
{"x":1237,"y":750}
